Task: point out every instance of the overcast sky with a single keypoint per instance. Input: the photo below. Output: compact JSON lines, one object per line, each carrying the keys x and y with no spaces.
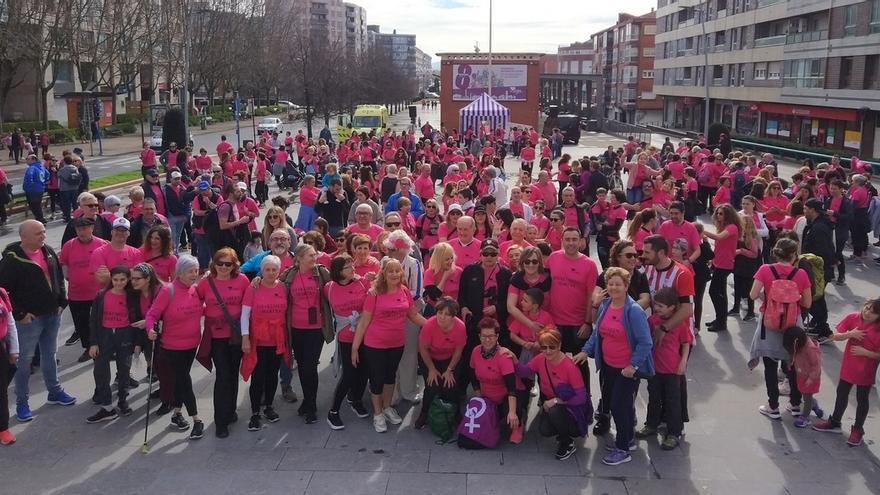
{"x":518,"y":25}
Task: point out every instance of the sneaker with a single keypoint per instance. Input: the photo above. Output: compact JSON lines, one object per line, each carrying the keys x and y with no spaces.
{"x":23,"y":413}
{"x":391,"y":415}
{"x":802,"y":421}
{"x":855,"y":436}
{"x":717,"y":327}
{"x":840,"y":281}
{"x":61,"y":398}
{"x":516,"y":436}
{"x":379,"y":424}
{"x":827,"y":426}
{"x":770,"y":412}
{"x":288,"y":394}
{"x":632,"y":446}
{"x":670,"y":442}
{"x":132,"y":383}
{"x":646,"y":431}
{"x":565,"y":450}
{"x":270,"y":414}
{"x":310,"y":418}
{"x":102,"y":415}
{"x":163,"y":409}
{"x":784,"y":388}
{"x":123,"y":408}
{"x":733,"y":312}
{"x":255,"y":424}
{"x":6,"y":437}
{"x":221,"y":431}
{"x":817,"y":410}
{"x":794,"y":410}
{"x":602,"y":426}
{"x":73,"y":339}
{"x":198,"y":430}
{"x":84,"y":357}
{"x":750,"y":316}
{"x":616,"y":457}
{"x":335,"y":421}
{"x":234,"y":418}
{"x":178,"y":421}
{"x":359,"y":409}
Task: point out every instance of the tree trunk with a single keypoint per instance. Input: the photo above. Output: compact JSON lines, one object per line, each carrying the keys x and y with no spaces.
{"x":44,"y":106}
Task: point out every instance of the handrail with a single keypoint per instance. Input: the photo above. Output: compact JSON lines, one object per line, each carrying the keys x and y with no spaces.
{"x":789,"y":151}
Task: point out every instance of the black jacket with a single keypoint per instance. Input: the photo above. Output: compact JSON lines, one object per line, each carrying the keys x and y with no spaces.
{"x":471,"y":294}
{"x":843,"y":216}
{"x":29,"y":290}
{"x":103,"y":229}
{"x":818,"y":240}
{"x":332,"y":209}
{"x":179,"y":205}
{"x":139,"y":229}
{"x":148,"y":192}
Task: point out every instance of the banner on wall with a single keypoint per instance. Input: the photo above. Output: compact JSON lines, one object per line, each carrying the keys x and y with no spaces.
{"x":509,"y":82}
{"x":852,"y":139}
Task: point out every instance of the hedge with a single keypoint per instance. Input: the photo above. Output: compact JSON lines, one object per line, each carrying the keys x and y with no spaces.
{"x":60,"y":136}
{"x":131,"y":118}
{"x":844,"y":153}
{"x":27,"y":126}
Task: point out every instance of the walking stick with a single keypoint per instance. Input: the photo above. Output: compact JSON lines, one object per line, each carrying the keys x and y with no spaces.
{"x":145,"y":449}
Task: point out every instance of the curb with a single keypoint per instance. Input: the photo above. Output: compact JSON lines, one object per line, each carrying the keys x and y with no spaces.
{"x":112,"y":187}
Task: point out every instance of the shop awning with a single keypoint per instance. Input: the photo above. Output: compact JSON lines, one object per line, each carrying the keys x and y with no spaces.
{"x":813,"y":112}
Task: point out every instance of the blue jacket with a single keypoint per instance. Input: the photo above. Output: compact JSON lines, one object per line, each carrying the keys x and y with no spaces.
{"x":35,"y":178}
{"x":252,"y":266}
{"x":416,"y":208}
{"x":635,"y":324}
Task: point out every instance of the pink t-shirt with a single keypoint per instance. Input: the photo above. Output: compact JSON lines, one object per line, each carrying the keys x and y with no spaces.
{"x":667,"y":355}
{"x":371,"y":265}
{"x":542,"y":223}
{"x":490,"y":373}
{"x":450,"y":288}
{"x":554,"y":239}
{"x":182,"y":317}
{"x":859,"y":370}
{"x":304,"y":295}
{"x":639,"y":238}
{"x":615,"y":346}
{"x":106,"y":256}
{"x":40,"y":259}
{"x":466,"y":254}
{"x":345,"y":300}
{"x":573,"y":284}
{"x":164,"y":265}
{"x":685,"y":230}
{"x":444,"y":231}
{"x":424,"y":187}
{"x":519,"y":329}
{"x":77,"y":257}
{"x":725,"y":249}
{"x":441,"y":343}
{"x":563,"y":372}
{"x":232,"y":293}
{"x":372,"y":230}
{"x":774,"y":217}
{"x":268,"y":305}
{"x":765,"y":276}
{"x":387,"y":328}
{"x":676,"y":169}
{"x":115,"y":311}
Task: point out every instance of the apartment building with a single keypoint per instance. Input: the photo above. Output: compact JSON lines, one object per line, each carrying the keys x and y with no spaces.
{"x":576,"y":58}
{"x":404,"y":53}
{"x":624,"y":56}
{"x":805,"y":72}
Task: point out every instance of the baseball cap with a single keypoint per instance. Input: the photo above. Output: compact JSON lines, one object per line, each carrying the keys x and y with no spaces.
{"x":121,"y":223}
{"x":454,"y":206}
{"x":176,"y":175}
{"x":153,"y":172}
{"x":83,"y":222}
{"x":242,"y":186}
{"x":489,"y":244}
{"x":112,"y":201}
{"x":204,"y":185}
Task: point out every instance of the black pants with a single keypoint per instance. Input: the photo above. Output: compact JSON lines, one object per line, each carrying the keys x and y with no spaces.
{"x":5,"y":378}
{"x":264,"y":380}
{"x":352,"y":382}
{"x":771,"y":381}
{"x":262,"y":191}
{"x":449,"y":394}
{"x":718,"y":295}
{"x":180,"y":363}
{"x":701,"y":280}
{"x":54,"y":199}
{"x":35,"y":203}
{"x":79,"y":313}
{"x":227,"y":359}
{"x":118,"y":344}
{"x":382,"y":366}
{"x":559,"y":423}
{"x":840,"y":238}
{"x":307,"y":345}
{"x":3,"y":215}
{"x":819,"y":310}
{"x":664,"y":403}
{"x":620,"y":392}
{"x":573,"y":344}
{"x":862,"y":394}
{"x":741,"y":287}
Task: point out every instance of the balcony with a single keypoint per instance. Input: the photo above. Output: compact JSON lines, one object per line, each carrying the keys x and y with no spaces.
{"x":806,"y":37}
{"x":770,"y":41}
{"x":767,"y":3}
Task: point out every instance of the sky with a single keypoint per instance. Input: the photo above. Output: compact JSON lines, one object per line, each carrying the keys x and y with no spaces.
{"x":517,"y":25}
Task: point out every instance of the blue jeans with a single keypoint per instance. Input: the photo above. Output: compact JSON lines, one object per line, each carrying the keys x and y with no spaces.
{"x":68,"y":199}
{"x":205,"y":251}
{"x":634,"y":195}
{"x":44,"y":331}
{"x":176,"y":223}
{"x":286,"y":374}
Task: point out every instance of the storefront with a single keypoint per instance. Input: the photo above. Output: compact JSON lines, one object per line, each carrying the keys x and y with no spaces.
{"x":812,"y":126}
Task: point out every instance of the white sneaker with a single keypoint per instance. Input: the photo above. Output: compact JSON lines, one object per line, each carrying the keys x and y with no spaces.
{"x":379,"y":424}
{"x":794,"y":410}
{"x":391,"y":415}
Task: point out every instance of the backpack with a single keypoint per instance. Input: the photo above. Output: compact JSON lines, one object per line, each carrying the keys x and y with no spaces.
{"x":704,"y":177}
{"x":816,"y":273}
{"x":441,"y":418}
{"x":782,"y":308}
{"x":739,"y":189}
{"x":479,"y":427}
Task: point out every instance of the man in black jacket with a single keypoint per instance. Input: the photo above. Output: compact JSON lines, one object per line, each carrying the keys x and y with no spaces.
{"x":31,"y":274}
{"x":148,"y":218}
{"x":178,"y":204}
{"x":483,"y":293}
{"x":818,"y":240}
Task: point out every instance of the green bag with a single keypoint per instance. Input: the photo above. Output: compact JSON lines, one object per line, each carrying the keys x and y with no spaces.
{"x":441,"y":419}
{"x":817,"y":274}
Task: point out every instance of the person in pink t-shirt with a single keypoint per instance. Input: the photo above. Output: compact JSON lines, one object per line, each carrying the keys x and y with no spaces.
{"x":728,"y":228}
{"x":180,"y":308}
{"x":442,"y":273}
{"x":381,"y":331}
{"x":495,"y":379}
{"x":116,"y":253}
{"x":526,"y":336}
{"x":441,"y":345}
{"x":157,"y":251}
{"x":574,"y":277}
{"x":364,"y":263}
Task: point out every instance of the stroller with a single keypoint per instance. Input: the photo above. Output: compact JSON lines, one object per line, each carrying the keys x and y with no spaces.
{"x":293,"y":175}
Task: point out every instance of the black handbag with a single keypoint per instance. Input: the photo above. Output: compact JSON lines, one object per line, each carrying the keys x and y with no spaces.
{"x":235,"y":325}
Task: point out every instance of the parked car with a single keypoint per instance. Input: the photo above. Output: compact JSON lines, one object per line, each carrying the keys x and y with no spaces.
{"x":570,"y":125}
{"x":270,"y":124}
{"x":156,"y":141}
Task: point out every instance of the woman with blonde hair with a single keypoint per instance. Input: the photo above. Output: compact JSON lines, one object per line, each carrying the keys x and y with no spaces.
{"x":442,"y":273}
{"x":745,"y":265}
{"x":277,"y":219}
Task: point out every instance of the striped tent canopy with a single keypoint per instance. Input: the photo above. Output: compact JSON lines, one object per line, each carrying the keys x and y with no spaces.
{"x":483,"y":109}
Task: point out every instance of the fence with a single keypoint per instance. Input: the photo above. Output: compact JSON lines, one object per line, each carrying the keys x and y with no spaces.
{"x":624,"y":130}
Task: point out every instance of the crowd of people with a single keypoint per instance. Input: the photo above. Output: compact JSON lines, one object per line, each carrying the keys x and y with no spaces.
{"x":437,"y":281}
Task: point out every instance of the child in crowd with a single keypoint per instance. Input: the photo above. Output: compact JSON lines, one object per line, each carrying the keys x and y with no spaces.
{"x":858,"y":367}
{"x":806,"y":371}
{"x":526,"y":336}
{"x":671,"y":350}
{"x":134,"y":210}
{"x":254,"y":247}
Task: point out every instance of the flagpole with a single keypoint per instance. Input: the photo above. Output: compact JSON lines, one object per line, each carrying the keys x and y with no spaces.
{"x":490,"y":48}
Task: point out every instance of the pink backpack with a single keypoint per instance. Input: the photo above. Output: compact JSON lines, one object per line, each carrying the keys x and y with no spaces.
{"x":782,"y":308}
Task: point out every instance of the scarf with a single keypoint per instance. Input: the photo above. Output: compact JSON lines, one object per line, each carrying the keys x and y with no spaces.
{"x":490,"y":353}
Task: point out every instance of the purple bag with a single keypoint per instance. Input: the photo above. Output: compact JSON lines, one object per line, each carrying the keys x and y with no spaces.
{"x":479,"y":427}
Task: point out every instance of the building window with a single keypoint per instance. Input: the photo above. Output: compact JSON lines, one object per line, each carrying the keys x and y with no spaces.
{"x":846,"y":65}
{"x":648,"y":52}
{"x":647,"y":74}
{"x":717,"y":72}
{"x":804,"y":73}
{"x":650,"y":29}
{"x":760,"y":71}
{"x":872,"y":67}
{"x":688,"y":73}
{"x":773,"y":70}
{"x":875,"y":16}
{"x":719,"y":38}
{"x":731,"y":74}
{"x":849,"y":20}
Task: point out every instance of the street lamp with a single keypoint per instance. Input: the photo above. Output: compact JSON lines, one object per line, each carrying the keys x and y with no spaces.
{"x":703,"y":19}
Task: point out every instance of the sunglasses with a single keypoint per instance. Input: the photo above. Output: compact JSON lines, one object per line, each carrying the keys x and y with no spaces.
{"x":489,"y":254}
{"x":224,"y":263}
{"x":430,"y":206}
{"x":308,"y":242}
{"x":93,"y":205}
{"x":392,"y":224}
{"x":273,"y":216}
{"x":630,"y":256}
{"x":530,"y":262}
{"x":456,"y":213}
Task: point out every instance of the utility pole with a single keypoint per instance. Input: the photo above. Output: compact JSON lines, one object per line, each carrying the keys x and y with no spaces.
{"x":237,"y":111}
{"x":704,"y":16}
{"x":184,"y":98}
{"x":491,"y":74}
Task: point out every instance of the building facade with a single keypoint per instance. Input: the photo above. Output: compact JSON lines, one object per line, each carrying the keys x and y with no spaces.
{"x":402,"y":50}
{"x":576,"y":58}
{"x":624,"y":55}
{"x":805,"y":72}
{"x":424,"y":71}
{"x":355,"y":28}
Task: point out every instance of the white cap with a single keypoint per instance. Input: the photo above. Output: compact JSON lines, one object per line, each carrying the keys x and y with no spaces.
{"x":242,"y":186}
{"x":454,"y":206}
{"x":176,"y":175}
{"x":122,"y":222}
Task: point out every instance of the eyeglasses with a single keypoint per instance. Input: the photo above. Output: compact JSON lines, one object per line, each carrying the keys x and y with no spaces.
{"x":92,"y":205}
{"x":530,"y":262}
{"x":630,"y":256}
{"x":273,"y":216}
{"x":549,"y":347}
{"x":488,"y":337}
{"x":430,"y":206}
{"x":555,"y":219}
{"x":224,"y":263}
{"x":138,"y":278}
{"x":392,"y":224}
